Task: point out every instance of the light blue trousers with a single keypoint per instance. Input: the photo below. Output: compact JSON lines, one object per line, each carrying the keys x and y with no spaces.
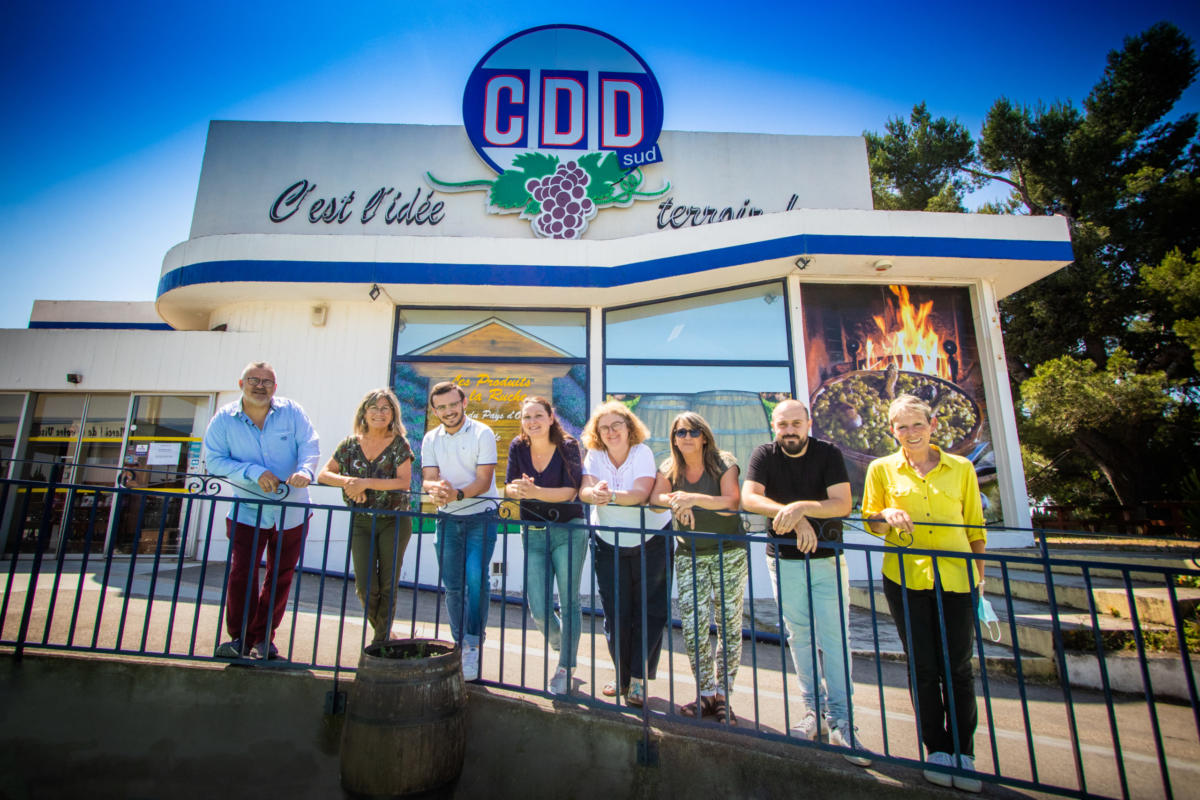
{"x":820,"y":627}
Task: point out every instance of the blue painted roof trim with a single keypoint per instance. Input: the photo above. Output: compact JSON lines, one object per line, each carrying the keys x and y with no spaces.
{"x":112,"y":326}
{"x":275,"y":271}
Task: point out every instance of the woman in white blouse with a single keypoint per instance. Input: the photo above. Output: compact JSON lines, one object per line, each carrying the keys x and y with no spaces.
{"x":618,"y":476}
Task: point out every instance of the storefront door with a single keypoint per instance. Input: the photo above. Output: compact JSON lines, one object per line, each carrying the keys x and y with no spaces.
{"x":88,"y":440}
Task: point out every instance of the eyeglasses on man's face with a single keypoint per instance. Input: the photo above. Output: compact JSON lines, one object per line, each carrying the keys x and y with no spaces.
{"x":266,"y":383}
{"x":683,"y":433}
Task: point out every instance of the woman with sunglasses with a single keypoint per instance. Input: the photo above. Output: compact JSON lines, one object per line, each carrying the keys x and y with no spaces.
{"x":544,"y":471}
{"x":373,"y":466}
{"x":618,"y":477}
{"x":700,"y":485}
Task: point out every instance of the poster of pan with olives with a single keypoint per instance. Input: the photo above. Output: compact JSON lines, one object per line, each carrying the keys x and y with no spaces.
{"x":864,"y":345}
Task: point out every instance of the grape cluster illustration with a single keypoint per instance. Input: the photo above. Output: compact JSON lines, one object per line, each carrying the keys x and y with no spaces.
{"x":565,"y":206}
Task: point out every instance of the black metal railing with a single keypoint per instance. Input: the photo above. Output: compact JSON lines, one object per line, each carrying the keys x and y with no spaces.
{"x":1090,"y":693}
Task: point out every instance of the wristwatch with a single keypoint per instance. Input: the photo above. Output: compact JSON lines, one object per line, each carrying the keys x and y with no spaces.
{"x":460,"y":495}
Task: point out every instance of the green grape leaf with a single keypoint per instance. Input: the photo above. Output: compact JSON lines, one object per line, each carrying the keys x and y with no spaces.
{"x":535,"y":165}
{"x":532,"y":208}
{"x":509,"y":191}
{"x":602,"y":172}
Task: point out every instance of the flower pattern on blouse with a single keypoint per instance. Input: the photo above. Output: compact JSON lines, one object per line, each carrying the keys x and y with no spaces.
{"x":353,"y":463}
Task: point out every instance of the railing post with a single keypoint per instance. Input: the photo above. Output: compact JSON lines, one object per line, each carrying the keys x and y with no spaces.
{"x":43,"y":540}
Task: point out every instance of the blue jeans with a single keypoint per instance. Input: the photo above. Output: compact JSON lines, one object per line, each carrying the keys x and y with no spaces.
{"x":555,"y":553}
{"x":826,"y":624}
{"x":464,"y":546}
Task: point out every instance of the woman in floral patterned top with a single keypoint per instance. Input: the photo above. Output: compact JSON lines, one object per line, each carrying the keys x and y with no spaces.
{"x":374,"y":468}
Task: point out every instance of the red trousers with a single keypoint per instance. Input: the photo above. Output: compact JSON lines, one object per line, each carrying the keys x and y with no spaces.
{"x":246,"y":550}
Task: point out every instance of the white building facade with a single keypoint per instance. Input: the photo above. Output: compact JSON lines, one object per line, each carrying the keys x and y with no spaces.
{"x":712,"y":272}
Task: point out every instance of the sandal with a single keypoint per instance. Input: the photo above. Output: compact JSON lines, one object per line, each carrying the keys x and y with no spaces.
{"x":637,"y":693}
{"x":722,"y":711}
{"x":707,"y":707}
{"x":610,"y":689}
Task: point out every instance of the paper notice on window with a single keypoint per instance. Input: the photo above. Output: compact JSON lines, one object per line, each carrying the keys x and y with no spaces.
{"x":164,"y":453}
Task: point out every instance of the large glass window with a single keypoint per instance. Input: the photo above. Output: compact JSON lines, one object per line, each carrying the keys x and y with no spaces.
{"x":83,"y":433}
{"x":497,"y":357}
{"x":164,"y":444}
{"x":746,"y":324}
{"x":495,"y":333}
{"x":11,"y":406}
{"x":723,"y":355}
{"x":85,"y":437}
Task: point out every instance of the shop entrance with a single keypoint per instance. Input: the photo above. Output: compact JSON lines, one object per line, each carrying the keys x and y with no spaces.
{"x":106,"y":441}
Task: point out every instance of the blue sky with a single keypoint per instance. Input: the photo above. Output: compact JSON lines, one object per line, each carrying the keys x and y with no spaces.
{"x":107,"y":104}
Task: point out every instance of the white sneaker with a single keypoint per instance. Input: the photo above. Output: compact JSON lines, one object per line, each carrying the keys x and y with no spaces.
{"x":939,"y":778}
{"x":470,"y":663}
{"x":561,"y":682}
{"x":844,"y":736}
{"x":962,"y":782}
{"x":809,"y":727}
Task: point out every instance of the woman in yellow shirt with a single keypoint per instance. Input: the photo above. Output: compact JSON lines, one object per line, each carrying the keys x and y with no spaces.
{"x":917,"y":497}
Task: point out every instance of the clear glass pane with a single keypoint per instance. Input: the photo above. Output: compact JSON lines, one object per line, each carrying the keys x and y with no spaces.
{"x":10,"y":415}
{"x":10,"y":419}
{"x":148,"y":523}
{"x":536,"y":334}
{"x":57,"y":415}
{"x":40,"y":458}
{"x":738,"y":325}
{"x":735,"y":401}
{"x":106,"y":416}
{"x":155,"y":458}
{"x":168,"y":415}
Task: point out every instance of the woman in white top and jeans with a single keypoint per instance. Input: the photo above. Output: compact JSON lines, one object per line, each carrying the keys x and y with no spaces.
{"x":618,"y":476}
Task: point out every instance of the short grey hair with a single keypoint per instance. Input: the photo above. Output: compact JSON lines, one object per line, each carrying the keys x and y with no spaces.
{"x":256,"y":365}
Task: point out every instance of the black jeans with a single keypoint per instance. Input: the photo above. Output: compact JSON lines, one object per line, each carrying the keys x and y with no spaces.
{"x":930,"y":697}
{"x":634,"y":649}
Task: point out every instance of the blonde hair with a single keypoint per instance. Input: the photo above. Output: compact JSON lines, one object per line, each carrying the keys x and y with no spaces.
{"x":396,"y":426}
{"x":673,"y":467}
{"x":638,"y":432}
{"x":909,"y":402}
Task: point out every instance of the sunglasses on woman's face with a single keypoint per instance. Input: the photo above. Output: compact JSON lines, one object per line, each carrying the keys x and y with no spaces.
{"x":683,"y":433}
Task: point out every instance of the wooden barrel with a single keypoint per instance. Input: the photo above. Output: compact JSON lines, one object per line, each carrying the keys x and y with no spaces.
{"x":405,"y":729}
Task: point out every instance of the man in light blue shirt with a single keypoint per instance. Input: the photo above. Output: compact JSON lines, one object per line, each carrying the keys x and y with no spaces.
{"x":458,"y":466}
{"x":257,"y":443}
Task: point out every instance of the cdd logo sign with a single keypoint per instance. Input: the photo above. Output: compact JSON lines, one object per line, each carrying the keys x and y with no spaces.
{"x":563,"y":90}
{"x":567,"y":117}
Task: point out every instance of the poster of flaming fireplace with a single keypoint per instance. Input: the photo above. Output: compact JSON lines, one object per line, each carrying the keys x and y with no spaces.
{"x":865,"y":345}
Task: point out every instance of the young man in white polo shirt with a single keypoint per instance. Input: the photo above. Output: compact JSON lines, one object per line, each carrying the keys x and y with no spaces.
{"x":458,"y":466}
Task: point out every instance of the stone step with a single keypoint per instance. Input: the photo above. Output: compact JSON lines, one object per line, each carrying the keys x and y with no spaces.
{"x":1035,"y":628}
{"x":1108,"y":594}
{"x":1097,"y":559}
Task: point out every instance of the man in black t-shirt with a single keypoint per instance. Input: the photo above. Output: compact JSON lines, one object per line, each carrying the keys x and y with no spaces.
{"x":800,"y":485}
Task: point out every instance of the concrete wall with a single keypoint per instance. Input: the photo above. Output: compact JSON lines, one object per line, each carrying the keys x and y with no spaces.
{"x":76,"y":727}
{"x":327,"y":369}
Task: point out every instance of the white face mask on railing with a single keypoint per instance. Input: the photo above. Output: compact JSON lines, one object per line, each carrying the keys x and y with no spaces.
{"x":988,"y":619}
